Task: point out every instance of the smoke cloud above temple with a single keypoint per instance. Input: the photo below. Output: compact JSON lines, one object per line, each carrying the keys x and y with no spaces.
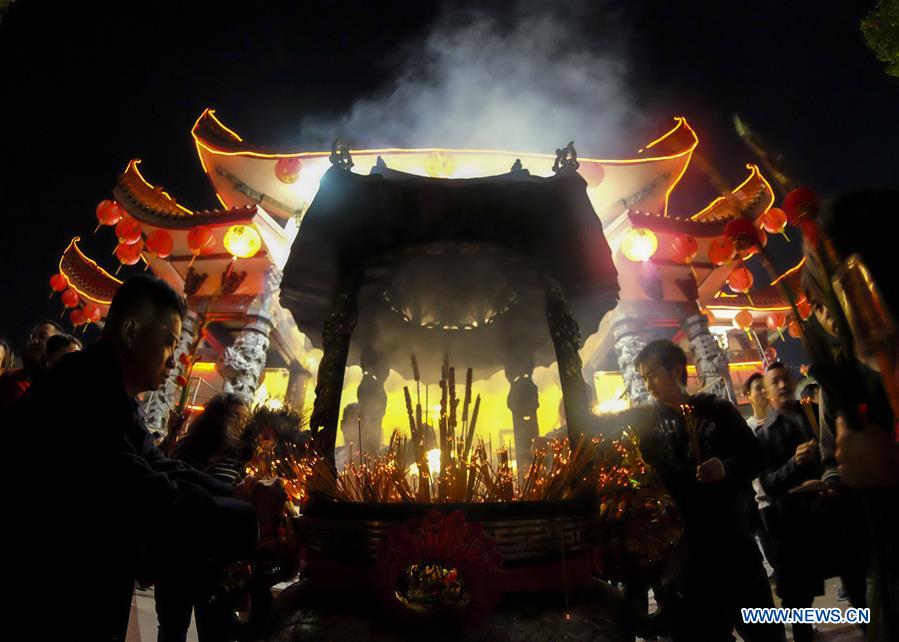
{"x":528,"y":82}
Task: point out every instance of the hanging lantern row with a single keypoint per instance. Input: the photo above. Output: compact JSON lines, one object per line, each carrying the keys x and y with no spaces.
{"x":241,"y":241}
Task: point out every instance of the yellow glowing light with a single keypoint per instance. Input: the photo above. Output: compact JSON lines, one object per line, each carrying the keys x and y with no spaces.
{"x":433,"y":460}
{"x":203,"y":366}
{"x":639,"y":245}
{"x":242,"y":241}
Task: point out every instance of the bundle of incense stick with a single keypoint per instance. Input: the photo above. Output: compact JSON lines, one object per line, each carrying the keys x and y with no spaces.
{"x":557,"y":473}
{"x":810,"y":415}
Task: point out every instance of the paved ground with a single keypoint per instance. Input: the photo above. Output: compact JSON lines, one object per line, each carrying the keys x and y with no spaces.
{"x":142,"y":627}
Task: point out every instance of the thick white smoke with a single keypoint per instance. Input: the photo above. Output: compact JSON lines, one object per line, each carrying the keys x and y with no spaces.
{"x":531,"y":85}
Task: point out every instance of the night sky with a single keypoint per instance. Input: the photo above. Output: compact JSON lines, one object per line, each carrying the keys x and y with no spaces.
{"x":88,"y":86}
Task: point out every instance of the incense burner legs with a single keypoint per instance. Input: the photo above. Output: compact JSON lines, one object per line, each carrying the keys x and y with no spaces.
{"x":336,"y":337}
{"x":566,"y":338}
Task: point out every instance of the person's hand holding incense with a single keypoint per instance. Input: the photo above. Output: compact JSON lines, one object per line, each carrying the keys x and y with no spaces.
{"x":805,"y":452}
{"x":711,"y":470}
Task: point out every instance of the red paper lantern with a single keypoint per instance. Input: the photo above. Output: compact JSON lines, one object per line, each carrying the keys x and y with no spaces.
{"x":109,"y":212}
{"x":181,"y":381}
{"x":288,"y":170}
{"x":794,"y":329}
{"x":751,"y":250}
{"x":776,"y":321}
{"x":740,"y":279}
{"x":184,"y":358}
{"x":91,"y":312}
{"x":160,"y":243}
{"x":129,"y":254}
{"x":774,"y":221}
{"x":721,"y":250}
{"x":770,"y":354}
{"x":70,"y":298}
{"x":58,"y":282}
{"x":743,"y":320}
{"x":76,"y":316}
{"x":200,"y":239}
{"x":801,"y":204}
{"x":743,"y":233}
{"x":684,"y":248}
{"x":128,"y":231}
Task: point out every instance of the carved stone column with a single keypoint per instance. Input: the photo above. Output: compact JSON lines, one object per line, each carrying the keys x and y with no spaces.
{"x":336,"y":337}
{"x":372,"y":399}
{"x":629,"y":340}
{"x":158,"y":405}
{"x":242,"y":363}
{"x":563,"y":329}
{"x":709,"y":358}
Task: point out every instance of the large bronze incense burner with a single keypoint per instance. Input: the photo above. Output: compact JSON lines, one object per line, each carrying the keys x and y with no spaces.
{"x":499,"y":272}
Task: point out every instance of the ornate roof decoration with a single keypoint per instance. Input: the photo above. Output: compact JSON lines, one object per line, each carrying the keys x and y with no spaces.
{"x":673,"y":225}
{"x":153,"y":205}
{"x":754,"y":196}
{"x":86,"y":277}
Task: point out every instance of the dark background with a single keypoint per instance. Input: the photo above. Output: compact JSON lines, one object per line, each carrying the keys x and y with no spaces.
{"x":88,"y":86}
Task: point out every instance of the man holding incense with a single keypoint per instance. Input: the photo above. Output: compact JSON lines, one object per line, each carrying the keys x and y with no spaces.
{"x":707,"y":456}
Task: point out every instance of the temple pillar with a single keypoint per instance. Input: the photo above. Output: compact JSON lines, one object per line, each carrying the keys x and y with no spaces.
{"x":241,"y":364}
{"x":297,"y":380}
{"x":708,"y":357}
{"x":159,"y":404}
{"x":565,"y":334}
{"x":629,"y":341}
{"x":336,"y":336}
{"x":372,"y":399}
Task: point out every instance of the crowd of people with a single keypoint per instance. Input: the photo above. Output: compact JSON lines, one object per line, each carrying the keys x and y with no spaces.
{"x":105,"y":504}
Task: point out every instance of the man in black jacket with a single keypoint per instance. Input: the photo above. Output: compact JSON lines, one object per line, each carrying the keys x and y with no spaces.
{"x":706,"y":456}
{"x":103,"y":486}
{"x":806,"y":517}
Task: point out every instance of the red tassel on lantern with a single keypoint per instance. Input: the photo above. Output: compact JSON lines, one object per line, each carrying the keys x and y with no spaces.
{"x":794,"y":329}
